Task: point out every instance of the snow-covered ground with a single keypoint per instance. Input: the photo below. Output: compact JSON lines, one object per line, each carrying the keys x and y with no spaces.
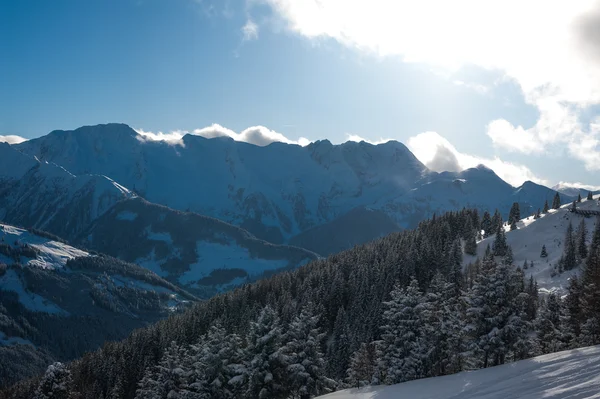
{"x":549,"y":230}
{"x":573,"y":374}
{"x":52,"y":254}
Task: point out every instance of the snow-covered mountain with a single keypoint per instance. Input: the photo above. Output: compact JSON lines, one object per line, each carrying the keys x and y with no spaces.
{"x":574,"y":190}
{"x":549,"y":230}
{"x":562,"y":375}
{"x":282,"y":193}
{"x":57,"y":301}
{"x":202,"y":254}
{"x":44,"y":195}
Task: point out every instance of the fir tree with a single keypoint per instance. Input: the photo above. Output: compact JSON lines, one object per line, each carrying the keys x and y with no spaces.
{"x":55,"y":384}
{"x":590,"y":196}
{"x":515,"y":213}
{"x":499,"y":246}
{"x":266,"y":367}
{"x":582,"y":248}
{"x":590,"y":293}
{"x":537,"y":214}
{"x":544,"y":253}
{"x":402,"y":352}
{"x":556,"y":201}
{"x":362,"y":365}
{"x":486,"y":224}
{"x":579,"y":197}
{"x":546,"y":207}
{"x":569,"y":259}
{"x":513,"y":225}
{"x":549,"y":329}
{"x":169,"y":379}
{"x":303,"y":356}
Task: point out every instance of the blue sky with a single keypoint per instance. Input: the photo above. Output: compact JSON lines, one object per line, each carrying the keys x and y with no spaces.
{"x":165,"y":66}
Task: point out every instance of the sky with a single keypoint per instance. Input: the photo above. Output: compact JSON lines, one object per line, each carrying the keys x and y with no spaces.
{"x":514,"y":85}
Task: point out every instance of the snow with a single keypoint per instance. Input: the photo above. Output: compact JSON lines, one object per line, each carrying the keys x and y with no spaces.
{"x":570,"y":374}
{"x":213,"y":256}
{"x":127,"y":215}
{"x":549,"y":230}
{"x":10,"y":281}
{"x":53,"y":254}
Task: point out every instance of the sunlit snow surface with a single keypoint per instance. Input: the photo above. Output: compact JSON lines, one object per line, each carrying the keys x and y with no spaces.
{"x":549,"y":230}
{"x":573,"y":374}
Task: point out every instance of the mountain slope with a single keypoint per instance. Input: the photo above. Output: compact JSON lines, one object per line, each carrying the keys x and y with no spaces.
{"x":46,"y":196}
{"x":275,"y":192}
{"x":57,"y":301}
{"x":283,"y":193}
{"x":562,"y":375}
{"x":200,"y":253}
{"x":526,"y":243}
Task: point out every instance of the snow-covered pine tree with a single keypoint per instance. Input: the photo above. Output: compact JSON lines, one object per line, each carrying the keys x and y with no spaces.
{"x":548,"y":325}
{"x":402,"y":352}
{"x":546,"y":207}
{"x":590,"y":294}
{"x":496,"y":221}
{"x":544,"y":253}
{"x":556,"y":201}
{"x":305,"y":374}
{"x":471,"y":244}
{"x":218,"y":364}
{"x":573,"y":312}
{"x":443,"y":328}
{"x":55,"y":384}
{"x":265,"y":365}
{"x":169,"y":379}
{"x":362,"y":365}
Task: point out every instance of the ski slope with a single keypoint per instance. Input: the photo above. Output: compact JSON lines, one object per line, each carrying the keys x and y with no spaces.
{"x":549,"y":230}
{"x":573,"y":374}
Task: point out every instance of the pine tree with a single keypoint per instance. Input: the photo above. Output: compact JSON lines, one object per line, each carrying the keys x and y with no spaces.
{"x":590,"y":293}
{"x":402,"y":352}
{"x":486,"y":224}
{"x":579,"y":197}
{"x":556,"y":201}
{"x":362,"y":365}
{"x":499,"y":246}
{"x":303,"y":356}
{"x":169,"y":379}
{"x":582,"y":248}
{"x":537,"y":214}
{"x":546,"y":207}
{"x":515,"y":214}
{"x":590,"y":196}
{"x":471,"y":245}
{"x":574,"y":206}
{"x":544,"y":253}
{"x":513,"y":225}
{"x":549,"y":328}
{"x":496,"y":222}
{"x":218,"y":361}
{"x":569,"y":259}
{"x":574,"y":313}
{"x":55,"y":384}
{"x":266,"y":367}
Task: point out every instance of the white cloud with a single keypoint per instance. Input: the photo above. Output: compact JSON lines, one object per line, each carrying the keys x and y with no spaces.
{"x":358,"y":139}
{"x":257,"y":135}
{"x":250,"y":30}
{"x":12,"y":139}
{"x":549,"y":47}
{"x":438,"y":154}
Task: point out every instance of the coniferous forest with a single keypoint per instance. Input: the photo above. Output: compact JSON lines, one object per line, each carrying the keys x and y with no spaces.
{"x":397,"y":309}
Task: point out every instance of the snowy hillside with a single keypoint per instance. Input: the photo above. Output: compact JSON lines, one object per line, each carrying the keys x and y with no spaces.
{"x":48,"y":197}
{"x":199,"y":253}
{"x":549,"y":230}
{"x":570,"y":374}
{"x":320,"y":185}
{"x":57,"y":301}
